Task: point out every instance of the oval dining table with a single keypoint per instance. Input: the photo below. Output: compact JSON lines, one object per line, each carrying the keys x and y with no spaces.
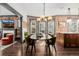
{"x":40,"y":37}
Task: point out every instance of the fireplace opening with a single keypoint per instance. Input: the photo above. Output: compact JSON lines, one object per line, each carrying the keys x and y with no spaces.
{"x":5,"y":34}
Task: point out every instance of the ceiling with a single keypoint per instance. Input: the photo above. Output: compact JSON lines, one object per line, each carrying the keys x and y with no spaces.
{"x":4,"y":11}
{"x":37,"y":9}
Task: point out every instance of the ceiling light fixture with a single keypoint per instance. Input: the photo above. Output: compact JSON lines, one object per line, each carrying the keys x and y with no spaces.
{"x":44,"y":17}
{"x":69,"y":13}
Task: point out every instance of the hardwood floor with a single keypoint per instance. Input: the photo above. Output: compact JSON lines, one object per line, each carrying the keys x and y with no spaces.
{"x":14,"y":50}
{"x":19,"y":49}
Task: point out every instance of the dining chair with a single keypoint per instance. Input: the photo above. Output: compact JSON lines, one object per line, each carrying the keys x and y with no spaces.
{"x":30,"y":42}
{"x":51,"y":42}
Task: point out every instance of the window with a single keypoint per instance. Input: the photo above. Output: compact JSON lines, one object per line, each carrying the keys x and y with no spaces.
{"x":42,"y":27}
{"x":33,"y":26}
{"x":72,"y":25}
{"x":51,"y":27}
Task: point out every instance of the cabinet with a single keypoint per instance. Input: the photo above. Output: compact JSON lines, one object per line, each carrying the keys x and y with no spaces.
{"x":71,"y":40}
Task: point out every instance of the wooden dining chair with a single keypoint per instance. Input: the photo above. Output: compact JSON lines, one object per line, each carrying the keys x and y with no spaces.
{"x":51,"y":42}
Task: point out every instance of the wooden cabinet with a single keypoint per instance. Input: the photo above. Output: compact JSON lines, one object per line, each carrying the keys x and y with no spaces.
{"x":71,"y":40}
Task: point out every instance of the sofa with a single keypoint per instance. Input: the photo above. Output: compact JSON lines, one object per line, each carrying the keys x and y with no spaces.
{"x":7,"y":40}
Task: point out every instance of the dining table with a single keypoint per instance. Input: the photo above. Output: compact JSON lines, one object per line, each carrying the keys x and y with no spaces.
{"x":40,"y":37}
{"x":36,"y":38}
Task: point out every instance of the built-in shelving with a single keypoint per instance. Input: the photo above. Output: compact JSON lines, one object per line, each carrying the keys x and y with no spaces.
{"x":8,"y":24}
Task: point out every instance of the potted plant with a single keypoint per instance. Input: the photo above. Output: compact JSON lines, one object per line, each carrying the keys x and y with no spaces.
{"x":25,"y":36}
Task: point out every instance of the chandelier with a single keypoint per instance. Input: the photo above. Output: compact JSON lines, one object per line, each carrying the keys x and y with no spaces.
{"x":44,"y":17}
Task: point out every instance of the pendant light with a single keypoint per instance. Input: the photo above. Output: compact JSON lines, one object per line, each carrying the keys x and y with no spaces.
{"x":44,"y":17}
{"x":41,"y":18}
{"x":69,"y":13}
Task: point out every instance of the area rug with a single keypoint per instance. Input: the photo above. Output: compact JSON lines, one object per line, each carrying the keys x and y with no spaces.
{"x":6,"y":46}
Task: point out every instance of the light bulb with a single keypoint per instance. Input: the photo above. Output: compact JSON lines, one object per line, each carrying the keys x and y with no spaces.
{"x":38,"y":19}
{"x":49,"y":18}
{"x":45,"y":19}
{"x":42,"y":16}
